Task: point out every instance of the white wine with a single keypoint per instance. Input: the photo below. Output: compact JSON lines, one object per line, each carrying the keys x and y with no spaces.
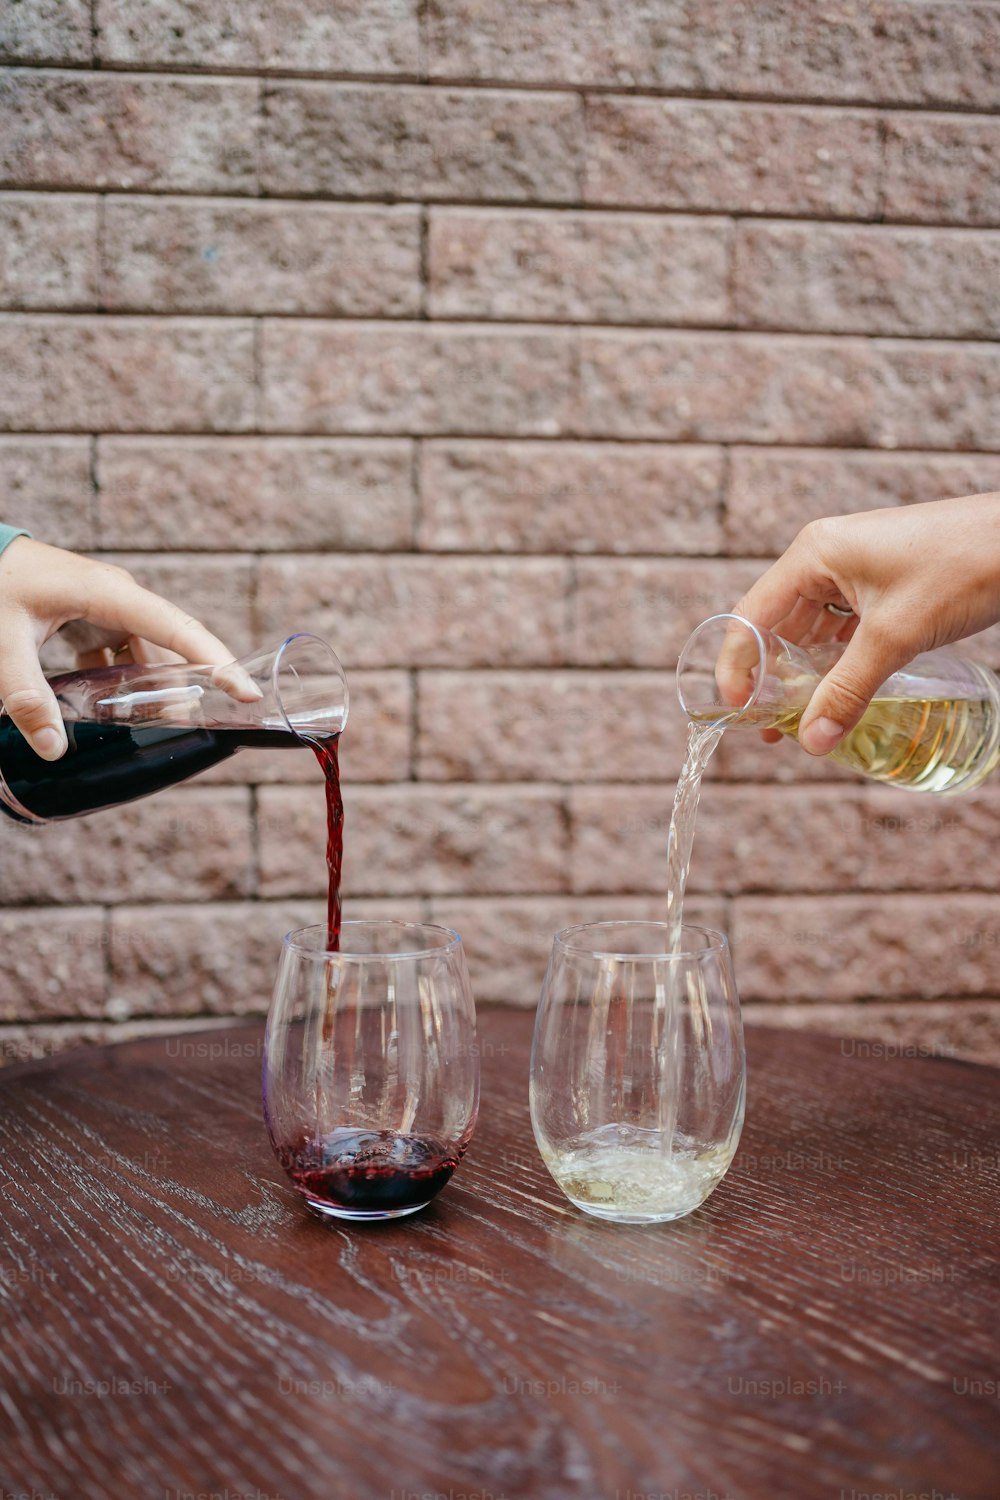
{"x":623,"y":1172}
{"x":932,"y":726}
{"x":702,"y":741}
{"x":921,"y":744}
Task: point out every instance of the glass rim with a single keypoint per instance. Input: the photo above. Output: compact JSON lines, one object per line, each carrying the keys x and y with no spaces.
{"x":729,"y":616}
{"x":718,"y":941}
{"x":280,"y":664}
{"x":323,"y":951}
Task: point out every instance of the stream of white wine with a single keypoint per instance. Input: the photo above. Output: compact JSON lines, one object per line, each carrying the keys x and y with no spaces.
{"x":702,"y":742}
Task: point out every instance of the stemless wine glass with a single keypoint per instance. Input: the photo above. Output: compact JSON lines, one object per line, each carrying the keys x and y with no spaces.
{"x":371,"y":1069}
{"x":638,"y":1075}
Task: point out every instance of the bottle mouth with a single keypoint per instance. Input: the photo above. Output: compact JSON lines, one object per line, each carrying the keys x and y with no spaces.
{"x":721,"y":668}
{"x":310,"y":688}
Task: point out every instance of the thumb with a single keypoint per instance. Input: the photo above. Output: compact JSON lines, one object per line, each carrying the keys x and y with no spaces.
{"x":843,"y":695}
{"x":28,"y":699}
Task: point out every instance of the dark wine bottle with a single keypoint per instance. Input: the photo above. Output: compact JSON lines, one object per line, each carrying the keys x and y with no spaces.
{"x":107,"y":764}
{"x":132,"y":730}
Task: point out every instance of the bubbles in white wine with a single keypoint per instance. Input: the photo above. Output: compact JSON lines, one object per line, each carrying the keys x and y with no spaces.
{"x":625,"y":1172}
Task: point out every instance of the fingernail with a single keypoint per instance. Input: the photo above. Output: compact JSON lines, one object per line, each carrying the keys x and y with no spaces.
{"x":821,"y":736}
{"x":48,"y":743}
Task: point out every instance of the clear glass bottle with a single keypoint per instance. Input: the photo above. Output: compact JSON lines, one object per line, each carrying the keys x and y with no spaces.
{"x":135,"y":729}
{"x":934,"y":726}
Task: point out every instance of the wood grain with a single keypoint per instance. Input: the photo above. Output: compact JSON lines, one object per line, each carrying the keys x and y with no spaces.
{"x":176,"y":1324}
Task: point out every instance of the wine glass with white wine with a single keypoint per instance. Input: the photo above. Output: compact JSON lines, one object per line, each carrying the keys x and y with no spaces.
{"x":638,"y":1073}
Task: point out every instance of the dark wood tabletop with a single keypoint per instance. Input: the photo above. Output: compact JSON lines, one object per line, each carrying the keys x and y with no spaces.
{"x":176,"y":1324}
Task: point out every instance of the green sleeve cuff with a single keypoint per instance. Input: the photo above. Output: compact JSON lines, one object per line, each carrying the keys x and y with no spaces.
{"x":8,"y":533}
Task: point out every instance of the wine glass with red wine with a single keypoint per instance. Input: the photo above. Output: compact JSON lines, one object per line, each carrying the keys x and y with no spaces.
{"x":371,"y":1068}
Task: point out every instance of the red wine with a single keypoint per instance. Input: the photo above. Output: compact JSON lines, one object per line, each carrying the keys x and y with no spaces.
{"x":326,"y":754}
{"x":107,"y":764}
{"x":370,"y":1169}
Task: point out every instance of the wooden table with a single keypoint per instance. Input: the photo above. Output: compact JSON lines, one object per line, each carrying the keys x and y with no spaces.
{"x":176,"y":1324}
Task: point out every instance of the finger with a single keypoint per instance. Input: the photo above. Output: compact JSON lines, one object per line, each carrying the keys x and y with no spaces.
{"x":149,"y":655}
{"x":826,"y":624}
{"x":119,"y":603}
{"x":231,"y":677}
{"x":772,"y":597}
{"x":153,"y":623}
{"x":800,"y":622}
{"x":89,"y":640}
{"x":771,"y":736}
{"x":842,"y":696}
{"x":86,"y":661}
{"x":27,"y":697}
{"x":234,"y":680}
{"x":799,"y":573}
{"x":738,"y":659}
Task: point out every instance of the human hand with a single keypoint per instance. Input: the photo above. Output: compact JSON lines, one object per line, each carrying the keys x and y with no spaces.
{"x":43,"y":588}
{"x":913,"y":579}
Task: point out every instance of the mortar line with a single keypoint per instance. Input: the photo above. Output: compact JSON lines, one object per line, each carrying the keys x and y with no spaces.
{"x":254,"y":842}
{"x":882,"y":131}
{"x":724,"y":98}
{"x":425,"y":288}
{"x":96,"y":523}
{"x":106,"y":928}
{"x":724,"y":497}
{"x":259,"y":137}
{"x":101,"y":250}
{"x":423,"y":41}
{"x":598,"y":440}
{"x":416,"y":493}
{"x":709,"y":331}
{"x":415,"y":712}
{"x":257,"y":340}
{"x":863,"y":218}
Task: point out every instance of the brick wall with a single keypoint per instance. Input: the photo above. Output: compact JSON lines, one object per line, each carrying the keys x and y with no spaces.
{"x":498,"y":343}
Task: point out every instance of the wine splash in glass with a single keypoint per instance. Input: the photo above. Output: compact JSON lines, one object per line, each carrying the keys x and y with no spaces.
{"x":371,"y":1069}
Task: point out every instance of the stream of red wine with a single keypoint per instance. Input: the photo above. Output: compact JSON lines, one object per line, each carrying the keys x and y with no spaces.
{"x":326,"y":754}
{"x":361,"y":1171}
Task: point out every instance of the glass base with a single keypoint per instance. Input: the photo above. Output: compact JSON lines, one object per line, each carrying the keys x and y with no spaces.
{"x":628,"y":1174}
{"x":619,"y":1216}
{"x":362,"y":1215}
